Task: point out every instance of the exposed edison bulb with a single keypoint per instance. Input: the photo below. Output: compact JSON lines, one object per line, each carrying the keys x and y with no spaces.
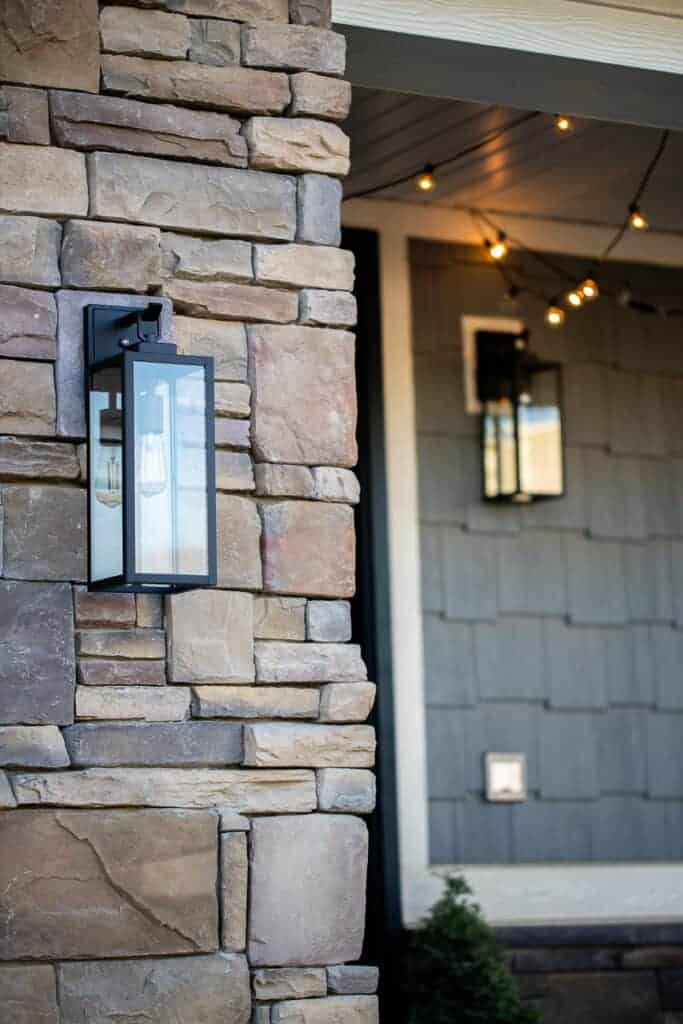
{"x":563,"y":123}
{"x":426,"y":181}
{"x":575,"y":298}
{"x":151,"y":467}
{"x":637,"y":219}
{"x":589,"y":289}
{"x":498,"y":250}
{"x":554,"y":315}
{"x":108,"y":476}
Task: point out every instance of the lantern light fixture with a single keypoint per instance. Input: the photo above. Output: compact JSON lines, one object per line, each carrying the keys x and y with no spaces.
{"x":426,"y":182}
{"x":151,"y":468}
{"x":636,"y":218}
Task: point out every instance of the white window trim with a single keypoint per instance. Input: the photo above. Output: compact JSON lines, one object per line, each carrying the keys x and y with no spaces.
{"x":534,"y":894}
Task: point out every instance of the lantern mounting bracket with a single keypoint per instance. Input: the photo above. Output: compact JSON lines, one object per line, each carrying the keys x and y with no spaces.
{"x":111,"y":330}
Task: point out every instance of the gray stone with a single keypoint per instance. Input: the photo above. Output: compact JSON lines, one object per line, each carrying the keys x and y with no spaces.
{"x":32,"y":746}
{"x":333,"y":484}
{"x":133,"y":703}
{"x":283,"y":662}
{"x":225,"y":342}
{"x":228,"y":301}
{"x":346,"y":790}
{"x":51,"y":44}
{"x":184,"y":990}
{"x":308,"y":548}
{"x":255,"y":702}
{"x":98,"y":672}
{"x":27,"y":398}
{"x":122,"y":643}
{"x":346,"y":702}
{"x":234,"y":471}
{"x":327,"y":308}
{"x":279,"y":618}
{"x":234,"y":10}
{"x":320,"y":884}
{"x":144,"y":33}
{"x":289,"y":983}
{"x":45,"y":532}
{"x":261,"y":1015}
{"x":232,"y":433}
{"x":24,"y":115}
{"x":297,"y":145}
{"x":319,"y":201}
{"x":328,"y":621}
{"x":132,"y":908}
{"x":230,"y":821}
{"x":121,"y":256}
{"x":317,"y":96}
{"x":234,"y":888}
{"x":36,"y":680}
{"x":285,"y":745}
{"x":210,"y":635}
{"x":153,"y":129}
{"x":206,"y":259}
{"x":7,"y":798}
{"x":277,"y":481}
{"x":303,"y":379}
{"x":352,"y":979}
{"x":236,"y":90}
{"x":21,"y":459}
{"x":29,"y":323}
{"x":295,"y":47}
{"x":238,"y":538}
{"x":334,"y":1010}
{"x":304,"y":266}
{"x":29,"y":251}
{"x":247,"y":792}
{"x":311,"y":12}
{"x":232,"y":399}
{"x":29,"y":994}
{"x":100,"y":609}
{"x":43,"y":180}
{"x":189,"y":744}
{"x":215,"y":42}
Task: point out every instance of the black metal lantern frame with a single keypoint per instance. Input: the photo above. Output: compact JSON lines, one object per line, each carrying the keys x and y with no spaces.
{"x":151,"y":462}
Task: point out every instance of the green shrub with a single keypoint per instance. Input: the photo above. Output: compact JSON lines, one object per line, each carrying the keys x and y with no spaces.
{"x":454,"y":968}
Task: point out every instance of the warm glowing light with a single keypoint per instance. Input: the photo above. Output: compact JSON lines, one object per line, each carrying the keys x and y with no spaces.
{"x":637,"y":219}
{"x":589,"y":289}
{"x":426,"y":182}
{"x":562,"y":123}
{"x":575,"y":298}
{"x":498,"y":250}
{"x":554,"y":316}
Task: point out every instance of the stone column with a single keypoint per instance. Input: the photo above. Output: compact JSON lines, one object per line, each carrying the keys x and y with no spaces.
{"x":182,"y":786}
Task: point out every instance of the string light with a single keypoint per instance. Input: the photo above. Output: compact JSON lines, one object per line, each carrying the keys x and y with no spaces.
{"x":554,"y":314}
{"x":426,"y":181}
{"x":636,"y":218}
{"x":498,"y":250}
{"x":589,"y":289}
{"x":575,"y":298}
{"x":563,"y":123}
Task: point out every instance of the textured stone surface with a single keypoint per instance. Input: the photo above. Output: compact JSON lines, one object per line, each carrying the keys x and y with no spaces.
{"x":301,"y":266}
{"x":229,"y":301}
{"x":29,"y":323}
{"x":328,"y":621}
{"x":100,"y":609}
{"x":29,"y":994}
{"x":308,"y":548}
{"x":210,"y":637}
{"x":282,"y":662}
{"x":232,"y":399}
{"x":50,"y":43}
{"x":346,"y":702}
{"x":327,"y":308}
{"x":281,"y":745}
{"x":30,"y":459}
{"x":317,"y":96}
{"x":100,"y":255}
{"x":119,"y":643}
{"x":144,"y":33}
{"x":279,"y":618}
{"x":346,"y":790}
{"x":311,"y":12}
{"x":234,"y":471}
{"x":29,"y":251}
{"x":289,"y":982}
{"x":7,"y":798}
{"x":256,"y":792}
{"x":141,"y":703}
{"x":294,"y":46}
{"x":232,"y":433}
{"x":303,"y":380}
{"x":127,"y":906}
{"x":181,"y":990}
{"x":27,"y":398}
{"x":24,"y":115}
{"x":334,"y":1010}
{"x":319,"y":209}
{"x":215,"y":42}
{"x":295,"y":145}
{"x":42,"y":179}
{"x":206,"y":259}
{"x":277,"y":481}
{"x":225,"y":342}
{"x":255,"y":702}
{"x":45,"y":532}
{"x":99,"y":672}
{"x":320,"y":884}
{"x":108,"y":122}
{"x":149,"y":610}
{"x":234,"y":888}
{"x":32,"y":746}
{"x":189,"y":744}
{"x":233,"y":89}
{"x":333,"y":484}
{"x":231,"y":821}
{"x":234,"y":10}
{"x":238,"y":534}
{"x":36,"y":680}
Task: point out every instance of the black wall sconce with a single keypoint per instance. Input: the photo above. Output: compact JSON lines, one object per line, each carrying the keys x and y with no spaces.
{"x":151,"y":464}
{"x":520,"y":395}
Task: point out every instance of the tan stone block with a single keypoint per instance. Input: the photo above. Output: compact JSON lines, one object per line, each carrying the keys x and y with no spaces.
{"x":346,"y":790}
{"x":50,"y":43}
{"x":45,"y":532}
{"x":24,"y":459}
{"x":122,"y":643}
{"x":29,"y":994}
{"x":279,"y":618}
{"x":238,"y":537}
{"x":289,"y":983}
{"x":318,"y":96}
{"x":42,"y":179}
{"x":235,"y":10}
{"x":232,"y":433}
{"x":283,"y":662}
{"x":236,"y":90}
{"x":149,"y":610}
{"x":100,"y":609}
{"x":295,"y":745}
{"x":334,"y":484}
{"x":144,"y":33}
{"x":100,"y":255}
{"x":255,"y":702}
{"x":232,"y":399}
{"x":206,"y":259}
{"x":225,"y":342}
{"x":234,"y":471}
{"x":311,"y":12}
{"x":234,"y":876}
{"x":275,"y":481}
{"x":32,"y":746}
{"x":308,"y":548}
{"x":299,"y":144}
{"x":29,"y":251}
{"x":304,"y":266}
{"x":296,"y":47}
{"x":24,"y":115}
{"x":337,"y":1009}
{"x":100,"y":672}
{"x":232,"y":301}
{"x":211,"y":637}
{"x":328,"y":308}
{"x":27,"y":398}
{"x":133,"y":703}
{"x":346,"y":702}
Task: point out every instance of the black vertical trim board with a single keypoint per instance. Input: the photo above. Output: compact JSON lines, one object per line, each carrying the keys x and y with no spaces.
{"x":371,"y":623}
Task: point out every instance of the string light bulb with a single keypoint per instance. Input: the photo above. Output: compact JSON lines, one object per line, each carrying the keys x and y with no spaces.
{"x":498,"y":250}
{"x":426,"y":181}
{"x":554,"y":314}
{"x":636,"y":218}
{"x":563,"y":123}
{"x":575,"y":298}
{"x":589,"y":289}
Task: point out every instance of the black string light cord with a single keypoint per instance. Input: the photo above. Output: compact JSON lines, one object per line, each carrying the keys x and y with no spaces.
{"x":633,"y":205}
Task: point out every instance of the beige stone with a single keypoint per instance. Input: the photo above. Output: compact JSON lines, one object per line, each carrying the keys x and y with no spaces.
{"x":304,"y":266}
{"x":234,"y":471}
{"x":229,"y":301}
{"x":24,"y":459}
{"x":247,"y":792}
{"x":206,"y":259}
{"x":24,"y":115}
{"x":29,"y":251}
{"x":100,"y":255}
{"x":308,"y":548}
{"x":144,"y":33}
{"x":32,"y":746}
{"x":235,"y":10}
{"x":311,"y":12}
{"x":234,"y":888}
{"x":27,"y":398}
{"x":210,"y":636}
{"x":236,"y":90}
{"x":289,"y":983}
{"x":232,"y":433}
{"x":231,"y":821}
{"x":276,"y":481}
{"x":283,"y":662}
{"x":29,"y":994}
{"x":346,"y":702}
{"x":100,"y":609}
{"x":42,"y":179}
{"x":122,"y":643}
{"x":133,"y":703}
{"x":346,"y":790}
{"x":318,"y":96}
{"x":50,"y":43}
{"x":238,"y":537}
{"x":279,"y":618}
{"x":327,"y":308}
{"x":100,"y":672}
{"x":255,"y":702}
{"x":295,"y":745}
{"x":301,"y":48}
{"x":149,"y":611}
{"x":333,"y":1010}
{"x":225,"y":342}
{"x":299,"y":144}
{"x":232,"y":399}
{"x":45,"y":532}
{"x":334,"y":484}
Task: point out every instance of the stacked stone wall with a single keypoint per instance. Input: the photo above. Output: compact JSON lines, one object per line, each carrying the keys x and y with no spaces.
{"x":182,"y":782}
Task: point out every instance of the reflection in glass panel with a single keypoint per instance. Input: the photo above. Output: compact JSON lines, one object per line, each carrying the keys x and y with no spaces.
{"x":171,"y":516}
{"x":106,"y":472}
{"x":540,"y":450}
{"x":500,"y":462}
